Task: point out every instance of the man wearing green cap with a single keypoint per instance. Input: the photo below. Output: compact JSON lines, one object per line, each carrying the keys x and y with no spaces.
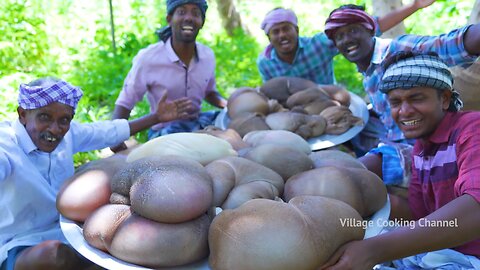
{"x":177,"y":65}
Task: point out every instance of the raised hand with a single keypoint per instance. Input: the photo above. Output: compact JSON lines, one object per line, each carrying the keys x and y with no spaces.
{"x":423,"y":3}
{"x":178,"y":109}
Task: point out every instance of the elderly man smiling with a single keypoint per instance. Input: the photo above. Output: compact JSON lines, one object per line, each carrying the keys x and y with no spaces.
{"x":36,"y":157}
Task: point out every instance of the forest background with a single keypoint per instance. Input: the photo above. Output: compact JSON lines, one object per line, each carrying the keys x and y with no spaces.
{"x":72,"y":40}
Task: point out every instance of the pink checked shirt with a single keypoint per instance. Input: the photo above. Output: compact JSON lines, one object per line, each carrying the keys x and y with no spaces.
{"x":157,"y":69}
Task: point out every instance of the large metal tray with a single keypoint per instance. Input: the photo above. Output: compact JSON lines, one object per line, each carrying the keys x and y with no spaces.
{"x":74,"y":234}
{"x":357,"y":106}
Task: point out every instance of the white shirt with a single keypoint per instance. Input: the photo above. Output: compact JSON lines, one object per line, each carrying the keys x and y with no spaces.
{"x":30,"y":179}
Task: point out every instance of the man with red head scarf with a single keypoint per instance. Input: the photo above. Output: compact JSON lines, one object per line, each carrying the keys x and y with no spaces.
{"x":352,"y":33}
{"x":290,"y":54}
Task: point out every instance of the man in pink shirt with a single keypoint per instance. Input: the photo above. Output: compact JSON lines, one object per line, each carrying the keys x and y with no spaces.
{"x":178,"y":66}
{"x":438,"y":228}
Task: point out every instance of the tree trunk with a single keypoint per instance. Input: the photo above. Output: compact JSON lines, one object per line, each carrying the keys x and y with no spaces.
{"x":467,"y":81}
{"x":383,"y":7}
{"x":230,"y":17}
{"x":112,"y":27}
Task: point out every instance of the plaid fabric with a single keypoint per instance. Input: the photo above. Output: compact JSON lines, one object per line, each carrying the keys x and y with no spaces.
{"x":396,"y":163}
{"x":204,"y":119}
{"x":419,"y":70}
{"x":313,"y":61}
{"x":449,"y":47}
{"x":343,"y":17}
{"x":370,"y":136}
{"x":277,"y":16}
{"x":34,"y":97}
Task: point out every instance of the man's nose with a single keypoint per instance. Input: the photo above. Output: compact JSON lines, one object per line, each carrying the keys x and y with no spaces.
{"x":405,"y":108}
{"x":188,"y":16}
{"x":55,"y":128}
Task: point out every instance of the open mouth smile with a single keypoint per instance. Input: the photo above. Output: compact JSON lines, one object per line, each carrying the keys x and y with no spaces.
{"x":411,"y":123}
{"x":187,"y":29}
{"x":49,"y":138}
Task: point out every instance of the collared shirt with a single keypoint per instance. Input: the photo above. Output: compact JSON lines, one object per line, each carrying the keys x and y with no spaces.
{"x":30,"y":179}
{"x":157,"y":69}
{"x":313,"y":61}
{"x":446,"y":167}
{"x":449,"y":47}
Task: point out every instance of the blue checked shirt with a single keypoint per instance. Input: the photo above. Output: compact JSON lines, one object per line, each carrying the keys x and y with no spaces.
{"x":313,"y":61}
{"x":449,"y":47}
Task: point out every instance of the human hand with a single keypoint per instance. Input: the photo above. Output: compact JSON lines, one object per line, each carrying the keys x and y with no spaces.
{"x":118,"y":148}
{"x":353,"y":255}
{"x":419,"y":4}
{"x":174,"y":110}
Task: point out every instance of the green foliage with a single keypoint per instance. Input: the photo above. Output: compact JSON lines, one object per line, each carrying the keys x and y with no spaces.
{"x":72,"y":40}
{"x":347,"y":75}
{"x":24,"y":44}
{"x":236,"y":61}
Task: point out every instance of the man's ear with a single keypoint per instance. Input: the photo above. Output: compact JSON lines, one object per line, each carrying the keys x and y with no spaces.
{"x":446,"y":98}
{"x":169,"y":19}
{"x":22,"y":115}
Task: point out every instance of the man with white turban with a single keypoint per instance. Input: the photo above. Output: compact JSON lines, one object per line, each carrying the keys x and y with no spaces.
{"x":36,"y":157}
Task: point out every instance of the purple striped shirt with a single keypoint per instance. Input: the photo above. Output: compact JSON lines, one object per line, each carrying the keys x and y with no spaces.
{"x":446,"y":167}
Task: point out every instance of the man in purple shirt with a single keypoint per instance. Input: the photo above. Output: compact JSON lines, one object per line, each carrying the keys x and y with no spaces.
{"x":443,"y":209}
{"x":178,"y":66}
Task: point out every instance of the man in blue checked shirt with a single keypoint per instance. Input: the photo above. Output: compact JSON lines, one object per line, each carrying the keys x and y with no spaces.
{"x":352,"y":32}
{"x":310,"y":57}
